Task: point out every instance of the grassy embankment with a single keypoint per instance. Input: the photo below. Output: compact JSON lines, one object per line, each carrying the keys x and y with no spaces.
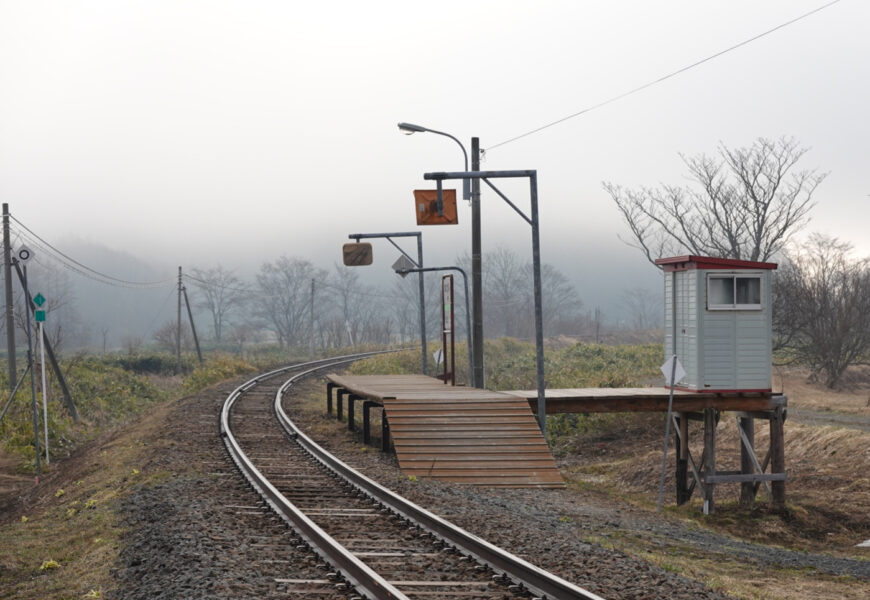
{"x":61,"y":537}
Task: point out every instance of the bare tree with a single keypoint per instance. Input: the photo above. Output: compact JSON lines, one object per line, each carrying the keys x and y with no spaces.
{"x":747,"y":203}
{"x":220,"y":292}
{"x":285,"y":297}
{"x":822,"y":307}
{"x":643,"y":308}
{"x":166,"y":336}
{"x":509,"y":296}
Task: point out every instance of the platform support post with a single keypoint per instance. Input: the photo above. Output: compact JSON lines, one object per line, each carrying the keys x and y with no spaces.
{"x":709,"y":462}
{"x":339,"y":404}
{"x":747,"y":465}
{"x":777,"y":456}
{"x":329,"y":387}
{"x":351,"y":425}
{"x":385,"y":432}
{"x":682,"y":474}
{"x":367,"y":420}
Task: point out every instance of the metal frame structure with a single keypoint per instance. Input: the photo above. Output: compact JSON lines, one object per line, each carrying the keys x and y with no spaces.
{"x":532,"y":220}
{"x":419,"y":264}
{"x":467,"y":309}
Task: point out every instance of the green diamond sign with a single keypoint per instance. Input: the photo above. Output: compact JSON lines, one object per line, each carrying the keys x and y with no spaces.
{"x":39,"y":300}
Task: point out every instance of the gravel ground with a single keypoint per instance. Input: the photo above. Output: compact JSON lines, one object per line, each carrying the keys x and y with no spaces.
{"x":202,"y":533}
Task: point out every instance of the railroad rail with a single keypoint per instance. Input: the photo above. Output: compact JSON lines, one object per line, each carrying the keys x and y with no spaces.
{"x":345,"y":516}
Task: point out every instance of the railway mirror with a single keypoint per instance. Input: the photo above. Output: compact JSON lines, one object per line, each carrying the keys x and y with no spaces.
{"x":357,"y":255}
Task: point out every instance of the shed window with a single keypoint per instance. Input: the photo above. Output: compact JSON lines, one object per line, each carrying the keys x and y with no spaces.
{"x":734,"y":292}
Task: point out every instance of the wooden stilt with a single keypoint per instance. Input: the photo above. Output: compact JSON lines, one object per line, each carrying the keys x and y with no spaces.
{"x":683,"y":492}
{"x":747,"y":458}
{"x":777,"y":456}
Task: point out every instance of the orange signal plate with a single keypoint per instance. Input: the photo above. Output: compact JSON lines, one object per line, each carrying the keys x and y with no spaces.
{"x":426,"y":207}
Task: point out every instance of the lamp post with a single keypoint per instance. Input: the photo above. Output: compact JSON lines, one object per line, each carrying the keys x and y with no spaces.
{"x":470,"y":191}
{"x":410,"y":129}
{"x":417,"y":263}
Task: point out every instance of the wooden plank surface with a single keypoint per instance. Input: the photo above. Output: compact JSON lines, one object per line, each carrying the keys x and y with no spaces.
{"x":583,"y":400}
{"x":460,"y":434}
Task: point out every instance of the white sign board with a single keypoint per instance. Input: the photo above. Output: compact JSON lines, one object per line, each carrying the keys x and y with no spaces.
{"x":403,"y":264}
{"x":677,"y":369}
{"x":23,"y":254}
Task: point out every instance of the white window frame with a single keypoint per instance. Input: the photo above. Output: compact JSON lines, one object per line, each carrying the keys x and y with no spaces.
{"x":734,"y":277}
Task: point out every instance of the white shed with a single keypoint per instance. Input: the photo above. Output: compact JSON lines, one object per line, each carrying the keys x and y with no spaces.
{"x":718,"y":311}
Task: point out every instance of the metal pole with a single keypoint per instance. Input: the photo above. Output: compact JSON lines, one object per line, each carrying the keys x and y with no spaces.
{"x":467,"y":310}
{"x":422,"y":306}
{"x":477,"y":375}
{"x":389,"y":237}
{"x":467,"y":325}
{"x":539,"y":311}
{"x":44,"y":389}
{"x":667,"y":432}
{"x":10,"y":317}
{"x":32,"y":380}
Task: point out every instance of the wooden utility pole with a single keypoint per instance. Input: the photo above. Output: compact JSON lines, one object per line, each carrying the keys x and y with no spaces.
{"x":67,"y":397}
{"x":178,"y":328}
{"x":192,"y":325}
{"x":10,"y":317}
{"x":311,"y":322}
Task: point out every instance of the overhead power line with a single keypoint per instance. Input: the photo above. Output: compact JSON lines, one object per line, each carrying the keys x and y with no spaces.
{"x":84,"y":270}
{"x":664,"y":77}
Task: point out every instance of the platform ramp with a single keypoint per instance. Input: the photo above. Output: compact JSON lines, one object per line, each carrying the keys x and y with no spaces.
{"x":459,"y":434}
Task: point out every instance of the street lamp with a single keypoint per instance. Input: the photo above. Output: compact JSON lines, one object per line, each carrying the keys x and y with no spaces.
{"x":470,"y":191}
{"x":410,"y":129}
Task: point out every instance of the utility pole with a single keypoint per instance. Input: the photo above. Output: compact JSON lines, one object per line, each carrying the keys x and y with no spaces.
{"x":178,"y":328}
{"x":476,"y":271}
{"x":10,"y":317}
{"x":192,"y":325}
{"x":311,"y":321}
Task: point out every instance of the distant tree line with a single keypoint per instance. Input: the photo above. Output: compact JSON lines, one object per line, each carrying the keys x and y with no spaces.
{"x":293,"y":303}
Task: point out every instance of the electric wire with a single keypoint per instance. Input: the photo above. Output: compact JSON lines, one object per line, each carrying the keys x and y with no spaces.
{"x":259,"y":293}
{"x":663,"y":78}
{"x":81,"y":268}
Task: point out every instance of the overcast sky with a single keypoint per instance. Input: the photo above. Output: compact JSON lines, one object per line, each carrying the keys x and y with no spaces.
{"x":203,"y":132}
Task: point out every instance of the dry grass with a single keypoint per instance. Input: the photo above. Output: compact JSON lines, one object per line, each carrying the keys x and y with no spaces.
{"x":69,"y":517}
{"x":852,"y":397}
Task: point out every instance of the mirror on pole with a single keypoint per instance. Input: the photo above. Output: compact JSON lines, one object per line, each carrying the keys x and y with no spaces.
{"x":357,"y":255}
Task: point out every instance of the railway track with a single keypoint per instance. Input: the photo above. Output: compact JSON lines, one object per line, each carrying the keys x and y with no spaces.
{"x":376,"y":544}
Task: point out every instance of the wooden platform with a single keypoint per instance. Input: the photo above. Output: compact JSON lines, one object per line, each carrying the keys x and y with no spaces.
{"x":647,"y":399}
{"x":459,"y":434}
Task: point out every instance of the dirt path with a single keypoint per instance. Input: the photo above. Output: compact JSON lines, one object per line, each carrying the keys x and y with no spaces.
{"x":820,"y":418}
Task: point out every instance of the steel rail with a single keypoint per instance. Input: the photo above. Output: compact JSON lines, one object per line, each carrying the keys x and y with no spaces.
{"x":360,"y":575}
{"x":536,"y":580}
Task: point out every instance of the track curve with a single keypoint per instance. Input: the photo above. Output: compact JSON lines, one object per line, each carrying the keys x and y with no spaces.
{"x":344,"y":516}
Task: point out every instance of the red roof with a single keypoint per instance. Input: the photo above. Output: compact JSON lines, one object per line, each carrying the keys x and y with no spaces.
{"x":683,"y":263}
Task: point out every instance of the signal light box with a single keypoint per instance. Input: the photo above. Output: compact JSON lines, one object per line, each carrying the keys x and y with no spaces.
{"x":718,"y":321}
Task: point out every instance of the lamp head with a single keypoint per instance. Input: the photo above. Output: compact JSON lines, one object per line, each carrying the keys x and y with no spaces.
{"x":410,"y":128}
